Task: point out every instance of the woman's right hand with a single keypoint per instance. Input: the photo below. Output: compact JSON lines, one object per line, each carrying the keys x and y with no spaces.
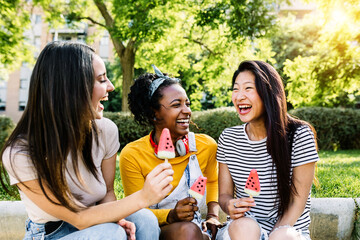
{"x":238,"y":207}
{"x":157,"y":184}
{"x":184,"y":211}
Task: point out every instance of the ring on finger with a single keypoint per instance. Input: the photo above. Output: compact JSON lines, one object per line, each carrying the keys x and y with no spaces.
{"x":235,"y":205}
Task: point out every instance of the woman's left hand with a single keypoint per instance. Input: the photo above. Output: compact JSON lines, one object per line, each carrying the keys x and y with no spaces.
{"x":212,"y":224}
{"x":129,"y":228}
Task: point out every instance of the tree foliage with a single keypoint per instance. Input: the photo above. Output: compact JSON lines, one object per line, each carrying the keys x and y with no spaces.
{"x":330,"y":75}
{"x":201,"y":41}
{"x":204,"y":50}
{"x":14,"y":21}
{"x":292,"y":38}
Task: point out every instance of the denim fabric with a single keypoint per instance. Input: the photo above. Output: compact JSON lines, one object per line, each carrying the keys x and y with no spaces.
{"x":147,"y":226}
{"x":223,"y":233}
{"x":145,"y":222}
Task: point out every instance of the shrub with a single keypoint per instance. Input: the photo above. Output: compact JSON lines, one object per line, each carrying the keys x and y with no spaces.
{"x":213,"y":122}
{"x":6,"y":127}
{"x":129,"y":130}
{"x":337,"y":128}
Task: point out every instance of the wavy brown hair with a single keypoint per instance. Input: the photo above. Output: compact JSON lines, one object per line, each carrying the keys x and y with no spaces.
{"x":280,"y":126}
{"x":58,"y":121}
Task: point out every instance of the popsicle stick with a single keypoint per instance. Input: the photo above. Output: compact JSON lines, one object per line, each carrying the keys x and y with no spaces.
{"x":166,"y":160}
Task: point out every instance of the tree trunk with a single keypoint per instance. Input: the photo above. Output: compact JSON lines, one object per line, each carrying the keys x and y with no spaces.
{"x":126,"y":54}
{"x":127,"y":61}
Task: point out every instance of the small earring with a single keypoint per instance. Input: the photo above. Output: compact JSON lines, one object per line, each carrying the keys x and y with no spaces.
{"x":154,"y":118}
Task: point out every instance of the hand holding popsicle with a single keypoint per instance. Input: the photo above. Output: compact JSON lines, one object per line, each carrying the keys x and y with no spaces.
{"x":157,"y":184}
{"x":184,"y":210}
{"x":166,"y":148}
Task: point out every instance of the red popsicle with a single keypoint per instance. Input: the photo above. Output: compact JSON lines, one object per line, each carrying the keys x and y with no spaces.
{"x":252,"y":186}
{"x":197,"y":190}
{"x":166,"y":148}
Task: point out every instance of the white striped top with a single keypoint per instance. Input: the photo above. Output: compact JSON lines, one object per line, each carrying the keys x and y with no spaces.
{"x":241,"y":155}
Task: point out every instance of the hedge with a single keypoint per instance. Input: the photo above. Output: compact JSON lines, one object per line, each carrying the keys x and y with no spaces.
{"x":129,"y":130}
{"x":336,"y":128}
{"x":6,"y":127}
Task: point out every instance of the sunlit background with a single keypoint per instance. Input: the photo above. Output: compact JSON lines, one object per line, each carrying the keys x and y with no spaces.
{"x":313,"y":44}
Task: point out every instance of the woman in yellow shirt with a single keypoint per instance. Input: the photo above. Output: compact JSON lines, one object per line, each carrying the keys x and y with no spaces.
{"x":160,"y":101}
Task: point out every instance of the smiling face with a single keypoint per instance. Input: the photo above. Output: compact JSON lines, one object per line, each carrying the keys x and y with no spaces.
{"x":246,"y":99}
{"x":174,"y":112}
{"x":102,"y":86}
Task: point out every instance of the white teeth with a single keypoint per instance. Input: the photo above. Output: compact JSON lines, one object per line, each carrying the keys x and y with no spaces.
{"x":183,"y":121}
{"x":104,"y":99}
{"x":244,"y":106}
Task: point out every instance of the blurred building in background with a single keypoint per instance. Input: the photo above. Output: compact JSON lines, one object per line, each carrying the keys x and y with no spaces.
{"x":298,"y":8}
{"x":14,"y":91}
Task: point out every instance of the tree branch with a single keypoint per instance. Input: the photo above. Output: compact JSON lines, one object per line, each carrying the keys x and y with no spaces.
{"x":105,"y":13}
{"x":202,"y":45}
{"x":109,"y":21}
{"x":92,"y":20}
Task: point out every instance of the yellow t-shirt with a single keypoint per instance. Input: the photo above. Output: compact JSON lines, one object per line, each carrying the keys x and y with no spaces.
{"x":137,"y":159}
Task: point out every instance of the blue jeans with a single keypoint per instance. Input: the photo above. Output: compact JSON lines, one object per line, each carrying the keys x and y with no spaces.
{"x":146,"y":223}
{"x":223,"y":233}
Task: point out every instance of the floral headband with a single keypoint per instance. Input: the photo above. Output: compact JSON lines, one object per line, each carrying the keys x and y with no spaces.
{"x":157,"y":82}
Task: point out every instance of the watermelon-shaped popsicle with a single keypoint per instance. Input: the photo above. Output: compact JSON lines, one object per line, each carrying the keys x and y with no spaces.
{"x":197,"y":190}
{"x":166,"y":148}
{"x":252,"y":186}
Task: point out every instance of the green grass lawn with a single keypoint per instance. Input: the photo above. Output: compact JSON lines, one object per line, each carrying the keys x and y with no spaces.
{"x":338,"y":174}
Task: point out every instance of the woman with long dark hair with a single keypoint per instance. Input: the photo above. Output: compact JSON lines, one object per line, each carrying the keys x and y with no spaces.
{"x":160,"y":101}
{"x":281,"y":148}
{"x":62,"y":155}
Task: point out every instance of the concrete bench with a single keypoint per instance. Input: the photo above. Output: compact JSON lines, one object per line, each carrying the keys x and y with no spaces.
{"x":331,"y":218}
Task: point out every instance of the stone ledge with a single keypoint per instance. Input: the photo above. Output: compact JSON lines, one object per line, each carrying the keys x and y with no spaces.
{"x":331,"y":219}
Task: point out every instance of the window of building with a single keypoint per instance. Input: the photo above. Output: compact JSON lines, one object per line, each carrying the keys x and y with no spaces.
{"x":23,"y":93}
{"x":81,"y":38}
{"x":64,"y":38}
{"x":104,"y":40}
{"x":37,"y":41}
{"x":3,"y":87}
{"x":22,"y":105}
{"x":37,"y":19}
{"x":23,"y":83}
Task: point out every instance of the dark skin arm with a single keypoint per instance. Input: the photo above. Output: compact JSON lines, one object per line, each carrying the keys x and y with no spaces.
{"x":185,"y":209}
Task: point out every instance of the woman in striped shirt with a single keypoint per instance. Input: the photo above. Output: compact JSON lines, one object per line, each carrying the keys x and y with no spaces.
{"x":281,"y":148}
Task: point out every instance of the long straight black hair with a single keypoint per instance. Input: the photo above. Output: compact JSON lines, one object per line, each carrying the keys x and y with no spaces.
{"x":58,"y":119}
{"x":280,"y":126}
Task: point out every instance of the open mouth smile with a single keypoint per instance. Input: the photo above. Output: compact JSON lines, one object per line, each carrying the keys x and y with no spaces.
{"x":244,"y":109}
{"x":183,"y":122}
{"x":100,"y":106}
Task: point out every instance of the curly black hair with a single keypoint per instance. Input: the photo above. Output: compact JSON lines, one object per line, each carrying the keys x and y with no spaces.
{"x":140,"y":105}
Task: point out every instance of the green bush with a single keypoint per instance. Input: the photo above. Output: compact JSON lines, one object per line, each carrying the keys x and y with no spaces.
{"x":213,"y":122}
{"x":6,"y":127}
{"x":336,"y":128}
{"x":129,"y":130}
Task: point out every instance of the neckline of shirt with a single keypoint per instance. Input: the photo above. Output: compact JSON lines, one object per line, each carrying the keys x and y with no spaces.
{"x":248,"y":139}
